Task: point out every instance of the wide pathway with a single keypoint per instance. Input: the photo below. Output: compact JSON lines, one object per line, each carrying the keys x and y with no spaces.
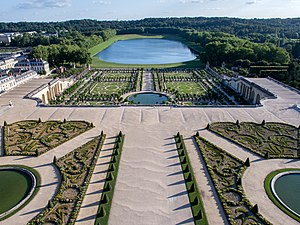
{"x":147,"y":81}
{"x":148,"y":163}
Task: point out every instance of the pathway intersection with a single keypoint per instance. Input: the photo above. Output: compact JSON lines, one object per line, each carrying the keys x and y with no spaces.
{"x":149,"y":188}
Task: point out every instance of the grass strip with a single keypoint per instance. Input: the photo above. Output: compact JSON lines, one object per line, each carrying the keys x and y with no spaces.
{"x":190,"y":183}
{"x":110,"y":182}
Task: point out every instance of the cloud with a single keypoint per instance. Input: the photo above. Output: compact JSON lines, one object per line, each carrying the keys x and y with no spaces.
{"x":252,"y":2}
{"x":191,"y":1}
{"x":100,"y":2}
{"x":44,"y":4}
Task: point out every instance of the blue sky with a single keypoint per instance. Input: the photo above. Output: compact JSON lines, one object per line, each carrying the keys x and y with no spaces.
{"x":58,"y":10}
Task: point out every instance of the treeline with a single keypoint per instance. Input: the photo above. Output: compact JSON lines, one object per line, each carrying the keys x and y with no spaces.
{"x":240,"y":27}
{"x":72,"y":47}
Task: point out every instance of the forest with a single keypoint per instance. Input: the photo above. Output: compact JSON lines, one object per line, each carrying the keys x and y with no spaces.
{"x":243,"y":43}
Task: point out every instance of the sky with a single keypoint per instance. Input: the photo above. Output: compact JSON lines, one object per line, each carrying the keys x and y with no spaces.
{"x":61,"y":10}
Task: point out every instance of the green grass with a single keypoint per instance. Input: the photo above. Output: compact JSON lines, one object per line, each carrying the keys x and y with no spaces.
{"x":267,"y":185}
{"x":178,"y":75}
{"x":12,"y":185}
{"x":116,"y":75}
{"x":109,"y":88}
{"x":186,"y":87}
{"x":97,"y":63}
{"x":195,"y":199}
{"x":111,"y":179}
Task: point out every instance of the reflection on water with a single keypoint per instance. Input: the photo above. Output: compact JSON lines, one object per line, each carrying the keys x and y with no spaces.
{"x":146,"y":51}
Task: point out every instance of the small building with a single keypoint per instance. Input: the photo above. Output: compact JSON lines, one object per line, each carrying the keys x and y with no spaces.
{"x":7,"y":63}
{"x":38,"y":65}
{"x":6,"y":83}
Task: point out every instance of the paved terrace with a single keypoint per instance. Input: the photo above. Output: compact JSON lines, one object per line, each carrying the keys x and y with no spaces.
{"x":150,"y":188}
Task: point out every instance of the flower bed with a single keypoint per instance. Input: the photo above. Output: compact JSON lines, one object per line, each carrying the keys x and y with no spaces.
{"x":34,"y":137}
{"x":226,"y":172}
{"x":268,"y":139}
{"x":76,"y":169}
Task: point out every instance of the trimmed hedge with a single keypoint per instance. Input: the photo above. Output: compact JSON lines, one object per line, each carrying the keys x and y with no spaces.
{"x":76,"y":169}
{"x":226,"y":172}
{"x":267,"y":139}
{"x":34,"y":137}
{"x":109,"y":186}
{"x":190,"y":183}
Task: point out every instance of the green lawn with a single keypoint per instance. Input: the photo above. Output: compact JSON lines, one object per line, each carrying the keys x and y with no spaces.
{"x":267,"y":185}
{"x":97,"y":63}
{"x":14,"y":187}
{"x":178,"y":75}
{"x":186,"y":88}
{"x":116,"y":75}
{"x":109,"y":88}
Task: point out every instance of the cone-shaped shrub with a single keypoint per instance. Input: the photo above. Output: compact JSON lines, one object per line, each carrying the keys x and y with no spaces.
{"x":192,"y":188}
{"x":102,"y":212}
{"x":181,"y":152}
{"x":267,"y":155}
{"x":189,"y":178}
{"x":195,"y":201}
{"x":113,"y":159}
{"x":111,"y":168}
{"x":255,"y":209}
{"x":110,"y":177}
{"x":247,"y":162}
{"x":107,"y":187}
{"x":104,"y":199}
{"x":183,"y":160}
{"x":198,"y":215}
{"x":263,"y":122}
{"x":197,"y":134}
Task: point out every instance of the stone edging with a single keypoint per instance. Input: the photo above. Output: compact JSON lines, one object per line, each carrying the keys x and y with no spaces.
{"x":33,"y":183}
{"x":274,"y":179}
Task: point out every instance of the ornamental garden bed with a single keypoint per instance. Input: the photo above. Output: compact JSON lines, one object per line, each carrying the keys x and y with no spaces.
{"x":226,"y":172}
{"x":76,"y":169}
{"x":268,"y":139}
{"x":34,"y":137}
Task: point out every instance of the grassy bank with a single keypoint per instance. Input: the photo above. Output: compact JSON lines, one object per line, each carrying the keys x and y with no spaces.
{"x":267,"y":185}
{"x":97,"y":63}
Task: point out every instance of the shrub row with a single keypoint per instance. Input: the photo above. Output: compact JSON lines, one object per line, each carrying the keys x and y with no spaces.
{"x":190,"y":183}
{"x":110,"y":182}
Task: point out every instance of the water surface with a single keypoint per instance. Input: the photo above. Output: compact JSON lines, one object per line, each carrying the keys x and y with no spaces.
{"x":287,"y":189}
{"x":146,"y":51}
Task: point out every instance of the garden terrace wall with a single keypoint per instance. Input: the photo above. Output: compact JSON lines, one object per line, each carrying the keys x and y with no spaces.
{"x":110,"y":182}
{"x":195,"y":199}
{"x":76,"y":169}
{"x":226,"y":172}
